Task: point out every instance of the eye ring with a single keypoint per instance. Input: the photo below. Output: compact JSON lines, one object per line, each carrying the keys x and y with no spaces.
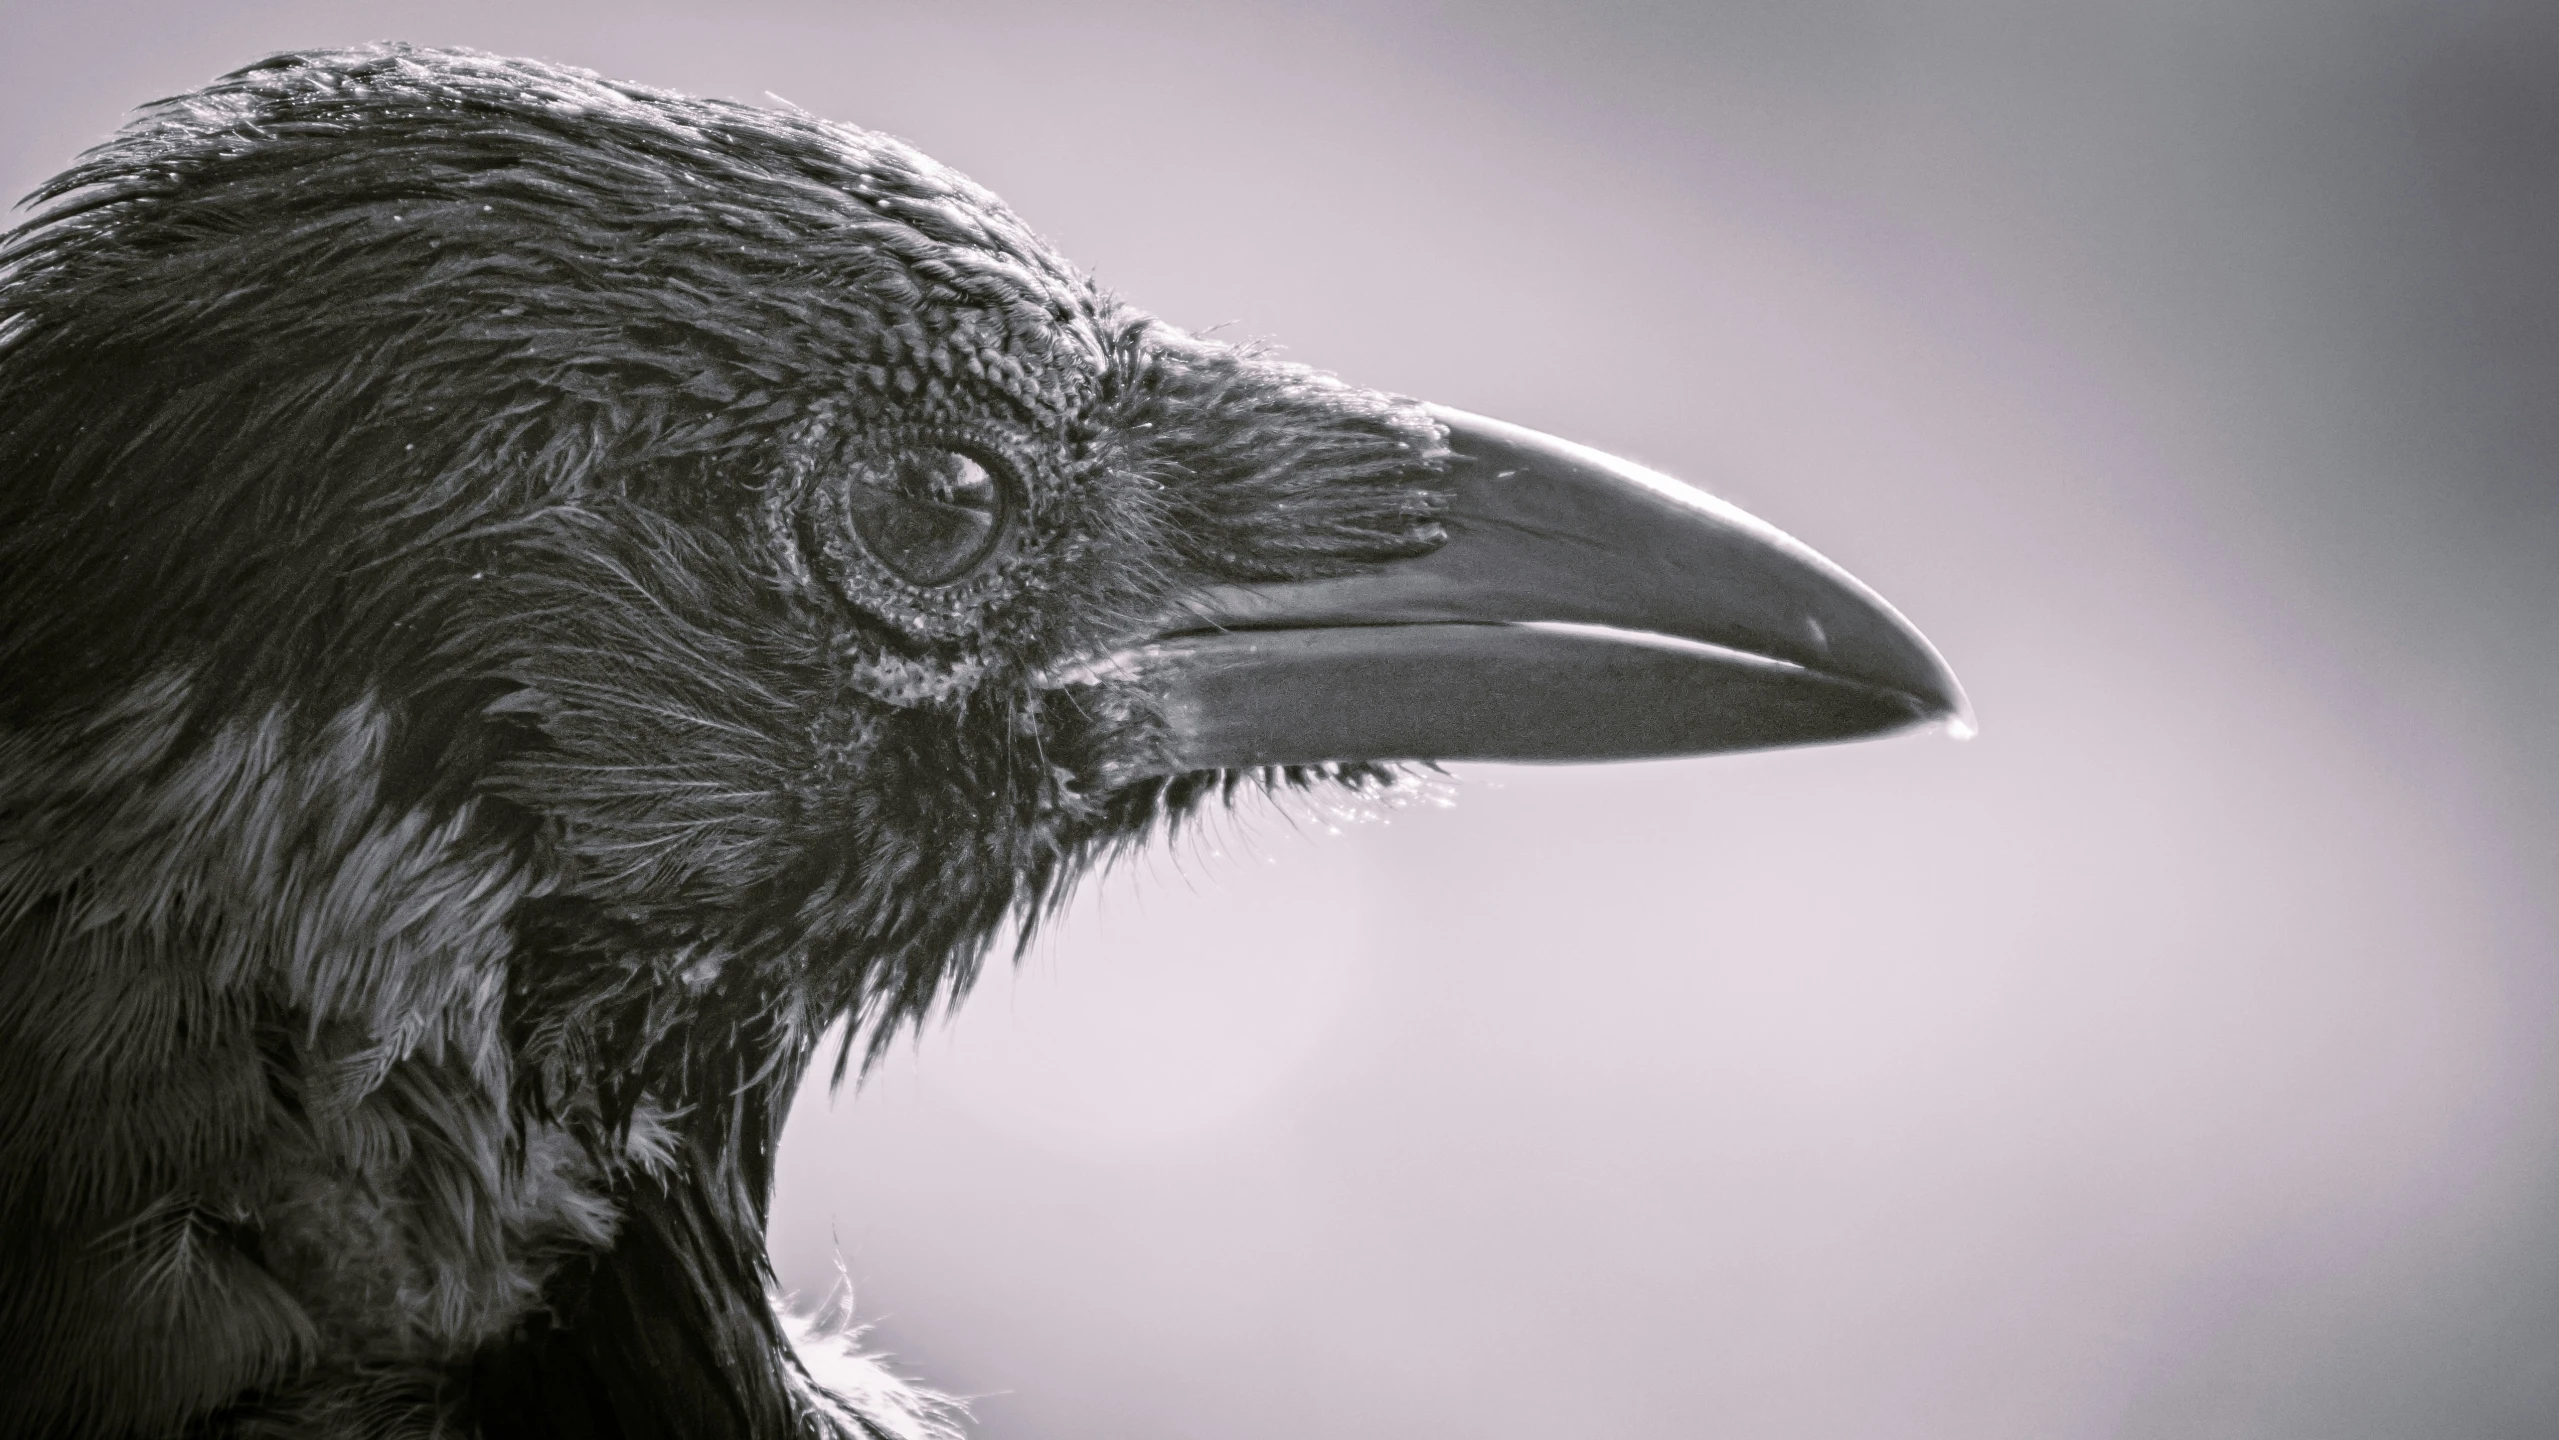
{"x":932,"y":513}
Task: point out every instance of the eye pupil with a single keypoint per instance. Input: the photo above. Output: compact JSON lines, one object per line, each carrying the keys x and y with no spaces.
{"x":932,"y":516}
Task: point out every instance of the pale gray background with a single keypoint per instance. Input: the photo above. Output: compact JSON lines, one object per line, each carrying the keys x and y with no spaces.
{"x":2174,"y":1060}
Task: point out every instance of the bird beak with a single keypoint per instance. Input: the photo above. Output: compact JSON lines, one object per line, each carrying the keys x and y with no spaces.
{"x":1583,"y":608}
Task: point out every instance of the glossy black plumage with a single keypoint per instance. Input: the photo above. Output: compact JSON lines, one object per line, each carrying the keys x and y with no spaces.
{"x":467,"y":727}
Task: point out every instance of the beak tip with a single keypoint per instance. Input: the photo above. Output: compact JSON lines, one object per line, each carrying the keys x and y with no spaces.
{"x":1943,"y":704}
{"x":1890,"y":653}
{"x":1959,"y":723}
{"x":1940,"y":691}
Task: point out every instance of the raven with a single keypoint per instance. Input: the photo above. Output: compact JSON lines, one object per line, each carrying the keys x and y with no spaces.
{"x":525,"y":600}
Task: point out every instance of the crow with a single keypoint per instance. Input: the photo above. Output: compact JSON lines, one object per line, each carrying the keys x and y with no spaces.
{"x":527,"y":601}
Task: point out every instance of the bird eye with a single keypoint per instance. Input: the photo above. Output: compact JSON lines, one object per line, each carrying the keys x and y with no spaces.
{"x":930,"y":515}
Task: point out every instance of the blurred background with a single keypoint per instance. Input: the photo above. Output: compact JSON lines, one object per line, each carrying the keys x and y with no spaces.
{"x":2175,"y":1059}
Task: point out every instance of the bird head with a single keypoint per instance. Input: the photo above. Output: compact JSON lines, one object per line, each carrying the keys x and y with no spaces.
{"x":760,"y":535}
{"x":524,"y":599}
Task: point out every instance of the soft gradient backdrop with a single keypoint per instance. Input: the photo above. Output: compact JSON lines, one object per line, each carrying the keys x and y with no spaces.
{"x":2174,"y":1060}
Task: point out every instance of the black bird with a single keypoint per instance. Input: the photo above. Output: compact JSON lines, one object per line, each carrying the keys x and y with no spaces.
{"x":526,"y":599}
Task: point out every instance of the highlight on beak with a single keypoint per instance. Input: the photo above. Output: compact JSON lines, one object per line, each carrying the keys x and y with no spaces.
{"x":1583,"y":608}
